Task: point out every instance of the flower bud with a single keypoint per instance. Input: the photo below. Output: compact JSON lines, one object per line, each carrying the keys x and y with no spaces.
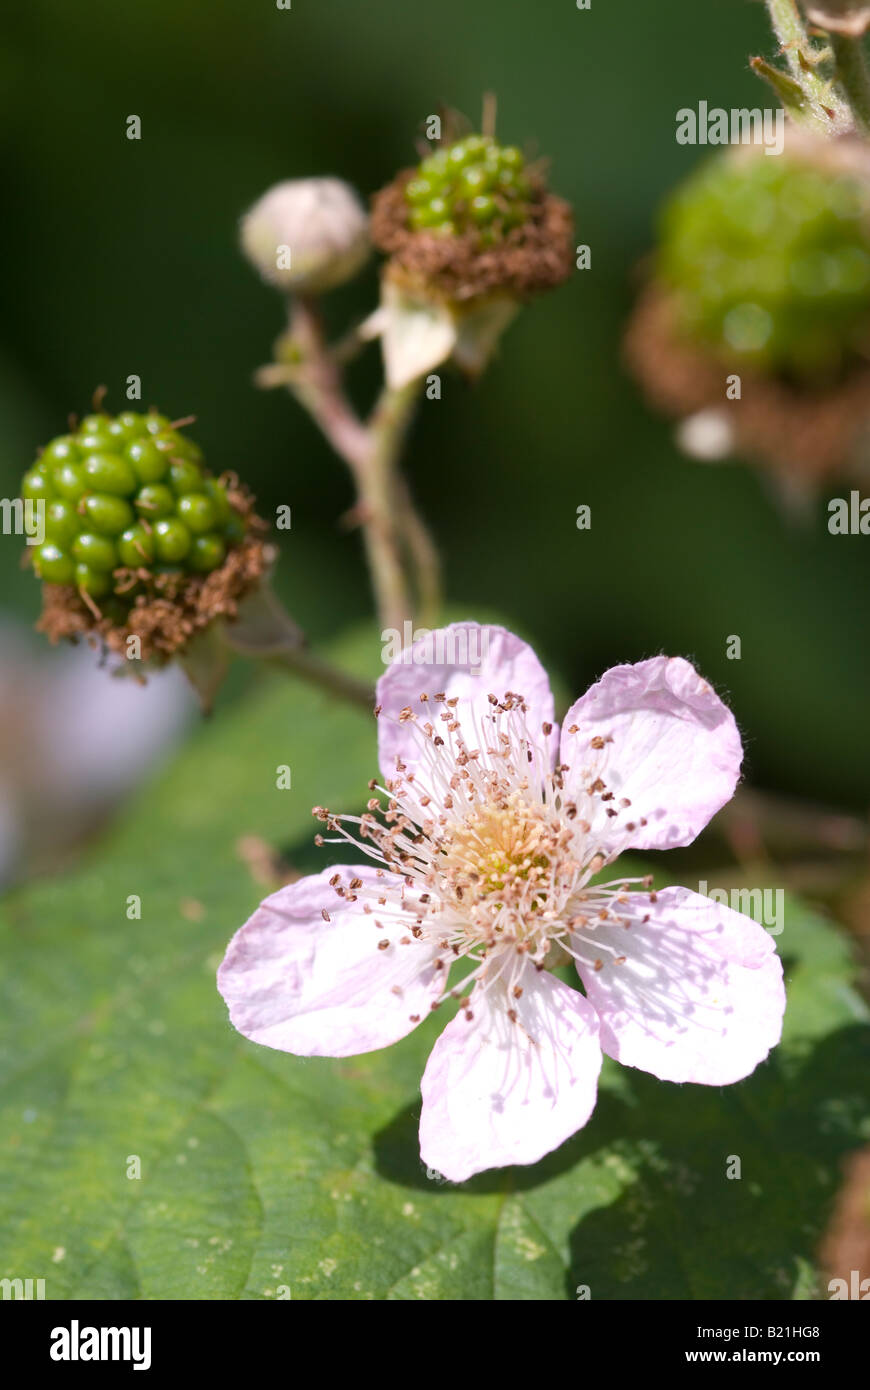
{"x":307,"y":235}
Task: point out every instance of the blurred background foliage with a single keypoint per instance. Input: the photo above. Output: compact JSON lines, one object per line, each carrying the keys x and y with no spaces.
{"x":120,"y":257}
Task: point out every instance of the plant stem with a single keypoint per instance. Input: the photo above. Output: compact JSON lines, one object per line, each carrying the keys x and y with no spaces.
{"x":392,"y":529}
{"x":316,"y":671}
{"x":824,"y":106}
{"x":790,"y":32}
{"x":852,"y":74}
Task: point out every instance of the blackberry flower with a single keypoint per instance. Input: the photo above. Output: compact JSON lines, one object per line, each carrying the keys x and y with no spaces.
{"x":487,"y":836}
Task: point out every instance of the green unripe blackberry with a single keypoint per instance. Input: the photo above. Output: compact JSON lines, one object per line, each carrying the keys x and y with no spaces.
{"x":154,"y":501}
{"x":147,"y":461}
{"x":185,"y":476}
{"x":96,"y":583}
{"x":97,"y":551}
{"x":62,"y":523}
{"x":768,"y":262}
{"x":53,"y":564}
{"x":69,"y":481}
{"x":127,"y":501}
{"x":136,"y":546}
{"x":37,"y":487}
{"x":109,"y":473}
{"x":473,"y":185}
{"x":207,"y":552}
{"x":198,"y":512}
{"x":107,"y":514}
{"x":171,"y":539}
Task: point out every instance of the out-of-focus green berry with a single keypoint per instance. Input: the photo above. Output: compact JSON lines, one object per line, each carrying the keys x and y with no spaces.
{"x":218,"y":494}
{"x":53,"y":564}
{"x":146,"y":460}
{"x":198,"y":512}
{"x":70,"y":481}
{"x":108,"y":514}
{"x":171,"y":540}
{"x":136,"y":547}
{"x":93,"y":424}
{"x":36,"y":487}
{"x":175,"y":446}
{"x":96,"y":551}
{"x":444,"y":195}
{"x":186,"y":477}
{"x":129,"y":425}
{"x":768,"y":261}
{"x":109,"y":473}
{"x":207,"y":552}
{"x":93,"y":582}
{"x":61,"y":450}
{"x":96,"y":480}
{"x":62,"y":523}
{"x":155,"y":500}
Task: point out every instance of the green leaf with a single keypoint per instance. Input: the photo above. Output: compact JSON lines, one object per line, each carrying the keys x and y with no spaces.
{"x":265,"y":1175}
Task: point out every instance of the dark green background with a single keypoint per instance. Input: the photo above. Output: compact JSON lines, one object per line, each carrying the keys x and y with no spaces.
{"x":120,"y":257}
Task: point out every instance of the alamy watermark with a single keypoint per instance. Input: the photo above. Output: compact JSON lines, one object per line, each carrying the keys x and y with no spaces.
{"x":766,"y":906}
{"x":23,"y":518}
{"x":740,"y":126}
{"x":463,"y":647}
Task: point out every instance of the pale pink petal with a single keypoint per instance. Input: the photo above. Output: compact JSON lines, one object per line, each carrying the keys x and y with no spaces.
{"x":318,"y":988}
{"x":670,"y":747}
{"x":699,"y":995}
{"x":467,"y":663}
{"x":499,"y":1092}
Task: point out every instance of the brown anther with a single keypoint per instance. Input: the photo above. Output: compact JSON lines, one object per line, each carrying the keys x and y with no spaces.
{"x":382,"y":945}
{"x":599,"y":965}
{"x":517,"y":991}
{"x":325,"y":915}
{"x":512,"y":1015}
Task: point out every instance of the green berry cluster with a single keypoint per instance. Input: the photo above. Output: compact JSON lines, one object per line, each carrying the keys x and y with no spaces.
{"x":770,"y":262}
{"x":471,"y":185}
{"x":127,"y":491}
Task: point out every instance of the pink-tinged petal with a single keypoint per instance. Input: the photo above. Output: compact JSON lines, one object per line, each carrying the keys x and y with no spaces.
{"x":670,"y":746}
{"x":499,"y":1092}
{"x":318,"y":988}
{"x":466,"y":662}
{"x":698,"y":996}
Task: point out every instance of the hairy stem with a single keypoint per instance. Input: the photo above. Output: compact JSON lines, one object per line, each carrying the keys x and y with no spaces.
{"x":853,"y":77}
{"x":791,"y":33}
{"x":824,"y":106}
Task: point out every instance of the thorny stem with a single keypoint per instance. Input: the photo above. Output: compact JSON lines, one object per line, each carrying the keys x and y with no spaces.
{"x":393,"y":531}
{"x":790,"y":32}
{"x":852,"y":73}
{"x":824,"y":105}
